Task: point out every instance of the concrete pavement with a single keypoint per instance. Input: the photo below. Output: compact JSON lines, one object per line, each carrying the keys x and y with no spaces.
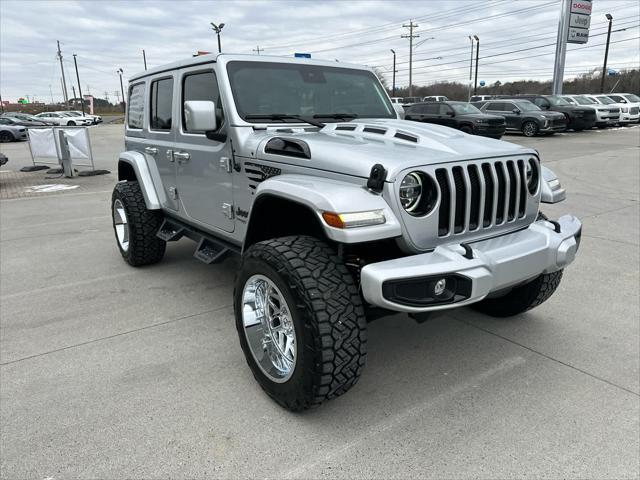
{"x":108,"y":371}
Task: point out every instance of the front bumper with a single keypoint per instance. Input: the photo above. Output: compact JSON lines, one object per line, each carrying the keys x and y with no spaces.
{"x":496,"y":264}
{"x":489,"y":130}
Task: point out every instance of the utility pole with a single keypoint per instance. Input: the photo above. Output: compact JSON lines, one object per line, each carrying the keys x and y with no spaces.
{"x":64,"y":96}
{"x":79,"y":87}
{"x":561,"y":49}
{"x":51,"y":93}
{"x":106,"y":96}
{"x":475,"y":82}
{"x":217,"y":29}
{"x":410,"y":36}
{"x":470,"y":68}
{"x":120,"y":72}
{"x":393,"y":88}
{"x":606,"y":53}
{"x":144,"y":58}
{"x":64,"y":82}
{"x":258,"y":49}
{"x":73,"y":89}
{"x":1,"y":105}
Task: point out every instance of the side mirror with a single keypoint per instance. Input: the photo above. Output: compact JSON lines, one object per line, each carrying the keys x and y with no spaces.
{"x":516,"y":111}
{"x":451,"y":113}
{"x":200,"y":116}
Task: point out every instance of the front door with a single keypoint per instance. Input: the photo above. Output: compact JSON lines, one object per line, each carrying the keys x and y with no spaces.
{"x":203,"y":165}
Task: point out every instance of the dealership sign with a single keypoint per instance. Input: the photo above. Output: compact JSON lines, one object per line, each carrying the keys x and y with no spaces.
{"x":579,"y":21}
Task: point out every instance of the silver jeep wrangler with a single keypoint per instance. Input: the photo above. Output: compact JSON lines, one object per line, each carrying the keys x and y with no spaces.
{"x":340,"y":211}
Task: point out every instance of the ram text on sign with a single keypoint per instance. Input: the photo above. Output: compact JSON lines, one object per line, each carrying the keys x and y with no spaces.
{"x":578,"y":35}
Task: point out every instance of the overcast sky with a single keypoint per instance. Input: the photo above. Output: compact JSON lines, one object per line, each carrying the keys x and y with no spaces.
{"x":107,"y":35}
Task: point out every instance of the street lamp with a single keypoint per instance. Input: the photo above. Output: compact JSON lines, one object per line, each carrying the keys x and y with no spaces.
{"x":393,"y":88}
{"x":470,"y":67}
{"x":120,"y":72}
{"x":75,"y":62}
{"x":606,"y":53}
{"x":217,"y":29}
{"x":475,"y":82}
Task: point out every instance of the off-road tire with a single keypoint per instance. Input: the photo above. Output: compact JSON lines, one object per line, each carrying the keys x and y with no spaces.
{"x":466,"y":129}
{"x":144,"y":247}
{"x":530,"y":132}
{"x":522,"y":298}
{"x":327,"y":312}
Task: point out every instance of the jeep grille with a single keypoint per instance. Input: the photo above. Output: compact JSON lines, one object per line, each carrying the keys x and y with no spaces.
{"x":480,"y":196}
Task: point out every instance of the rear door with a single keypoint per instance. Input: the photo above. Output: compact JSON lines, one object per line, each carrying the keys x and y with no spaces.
{"x":447,"y":116}
{"x":203,"y":165}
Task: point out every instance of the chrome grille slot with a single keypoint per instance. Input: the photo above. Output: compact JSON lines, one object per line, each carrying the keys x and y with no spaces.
{"x":480,"y":196}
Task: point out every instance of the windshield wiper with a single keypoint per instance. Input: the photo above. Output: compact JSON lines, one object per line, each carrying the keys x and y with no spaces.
{"x":283,"y":116}
{"x":337,"y":116}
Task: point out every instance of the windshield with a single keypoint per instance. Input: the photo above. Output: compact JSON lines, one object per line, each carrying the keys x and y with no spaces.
{"x":605,"y":100}
{"x":584,"y":100}
{"x":557,"y":101}
{"x":632,"y":97}
{"x":527,"y":106}
{"x":270,"y":88}
{"x":462,"y":108}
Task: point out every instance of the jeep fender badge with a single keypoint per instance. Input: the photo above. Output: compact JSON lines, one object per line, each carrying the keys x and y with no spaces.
{"x":377,"y":176}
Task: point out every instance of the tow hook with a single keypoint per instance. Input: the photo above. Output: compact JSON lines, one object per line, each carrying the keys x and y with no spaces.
{"x":468,"y":251}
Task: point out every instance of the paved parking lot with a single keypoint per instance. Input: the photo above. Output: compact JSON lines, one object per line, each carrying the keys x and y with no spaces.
{"x":109,"y":371}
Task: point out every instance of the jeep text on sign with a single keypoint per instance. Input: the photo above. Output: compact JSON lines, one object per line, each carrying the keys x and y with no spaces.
{"x":578,"y":20}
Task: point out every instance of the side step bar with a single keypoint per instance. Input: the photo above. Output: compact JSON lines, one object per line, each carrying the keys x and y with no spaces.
{"x":209,"y":249}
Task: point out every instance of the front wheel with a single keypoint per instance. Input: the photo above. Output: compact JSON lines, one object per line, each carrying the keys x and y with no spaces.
{"x":530,"y":129}
{"x":71,"y":124}
{"x":6,"y":137}
{"x":300,"y":320}
{"x":521,"y":298}
{"x":135,"y":226}
{"x":466,"y":129}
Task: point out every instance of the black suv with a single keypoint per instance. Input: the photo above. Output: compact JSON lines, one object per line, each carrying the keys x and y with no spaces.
{"x":460,"y":115}
{"x":524,"y":116}
{"x":578,"y":118}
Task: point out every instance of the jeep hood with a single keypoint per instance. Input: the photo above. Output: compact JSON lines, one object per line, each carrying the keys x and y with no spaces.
{"x":352,"y":148}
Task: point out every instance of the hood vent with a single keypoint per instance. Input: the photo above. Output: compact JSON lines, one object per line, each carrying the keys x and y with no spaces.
{"x":288,"y":147}
{"x":376,"y":130}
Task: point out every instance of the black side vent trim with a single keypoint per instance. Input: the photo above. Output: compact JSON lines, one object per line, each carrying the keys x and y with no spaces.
{"x":349,"y":128}
{"x":381,"y":131}
{"x":289,"y":147}
{"x":407,"y":137}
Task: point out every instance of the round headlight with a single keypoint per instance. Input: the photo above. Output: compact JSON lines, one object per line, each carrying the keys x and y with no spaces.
{"x":533,"y":178}
{"x":418,"y":194}
{"x":411,"y":191}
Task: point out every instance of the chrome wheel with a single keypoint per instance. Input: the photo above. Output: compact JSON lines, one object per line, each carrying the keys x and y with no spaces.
{"x":121,"y":224}
{"x":268,"y":328}
{"x":530,"y":129}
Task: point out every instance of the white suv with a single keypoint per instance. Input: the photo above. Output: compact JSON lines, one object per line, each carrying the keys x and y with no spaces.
{"x":64,"y":119}
{"x":631,"y":102}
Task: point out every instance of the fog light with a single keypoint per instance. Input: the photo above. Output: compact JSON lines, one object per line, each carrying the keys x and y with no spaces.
{"x":440,"y":287}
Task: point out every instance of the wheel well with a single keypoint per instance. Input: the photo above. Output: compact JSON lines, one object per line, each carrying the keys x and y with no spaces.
{"x":466,"y":124}
{"x":273,"y":217}
{"x":126,"y":171}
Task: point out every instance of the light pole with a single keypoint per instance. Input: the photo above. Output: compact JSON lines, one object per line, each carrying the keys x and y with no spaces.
{"x":393,"y":88}
{"x":217,"y":29}
{"x":606,"y":53}
{"x":120,"y":72}
{"x":75,"y":62}
{"x":144,"y":58}
{"x":470,"y":67}
{"x":475,"y":82}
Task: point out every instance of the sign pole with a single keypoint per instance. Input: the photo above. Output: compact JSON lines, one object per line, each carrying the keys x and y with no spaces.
{"x":561,"y":49}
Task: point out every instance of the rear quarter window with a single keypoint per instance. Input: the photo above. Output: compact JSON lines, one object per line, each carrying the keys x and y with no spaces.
{"x":136,"y":106}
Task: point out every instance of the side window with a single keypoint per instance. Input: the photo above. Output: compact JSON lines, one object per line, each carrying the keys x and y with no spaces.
{"x":161,"y":104}
{"x":508,"y":107}
{"x":431,"y":109}
{"x":494,"y":106}
{"x":202,"y":86}
{"x":445,"y":109}
{"x":136,"y":106}
{"x":541,"y":102}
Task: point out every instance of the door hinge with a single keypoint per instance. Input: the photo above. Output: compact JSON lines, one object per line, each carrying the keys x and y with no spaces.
{"x":173,"y":193}
{"x":225,"y":164}
{"x":227,"y":209}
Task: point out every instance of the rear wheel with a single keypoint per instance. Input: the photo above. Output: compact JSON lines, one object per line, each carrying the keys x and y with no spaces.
{"x":135,"y":226}
{"x":71,"y":123}
{"x":530,"y":129}
{"x":300,"y":321}
{"x":521,"y":298}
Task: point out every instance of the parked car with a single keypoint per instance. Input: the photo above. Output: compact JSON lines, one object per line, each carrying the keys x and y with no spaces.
{"x":21,"y":123}
{"x":481,"y":98}
{"x":578,"y":118}
{"x":411,"y":100}
{"x":631,"y":102}
{"x":605,"y":102}
{"x":606,"y":115}
{"x":96,"y":119}
{"x":524,"y":116}
{"x":335,"y":207}
{"x":12,"y":133}
{"x":63,"y":119}
{"x":397,"y":100}
{"x":435,"y":98}
{"x":459,"y":115}
{"x":28,"y":119}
